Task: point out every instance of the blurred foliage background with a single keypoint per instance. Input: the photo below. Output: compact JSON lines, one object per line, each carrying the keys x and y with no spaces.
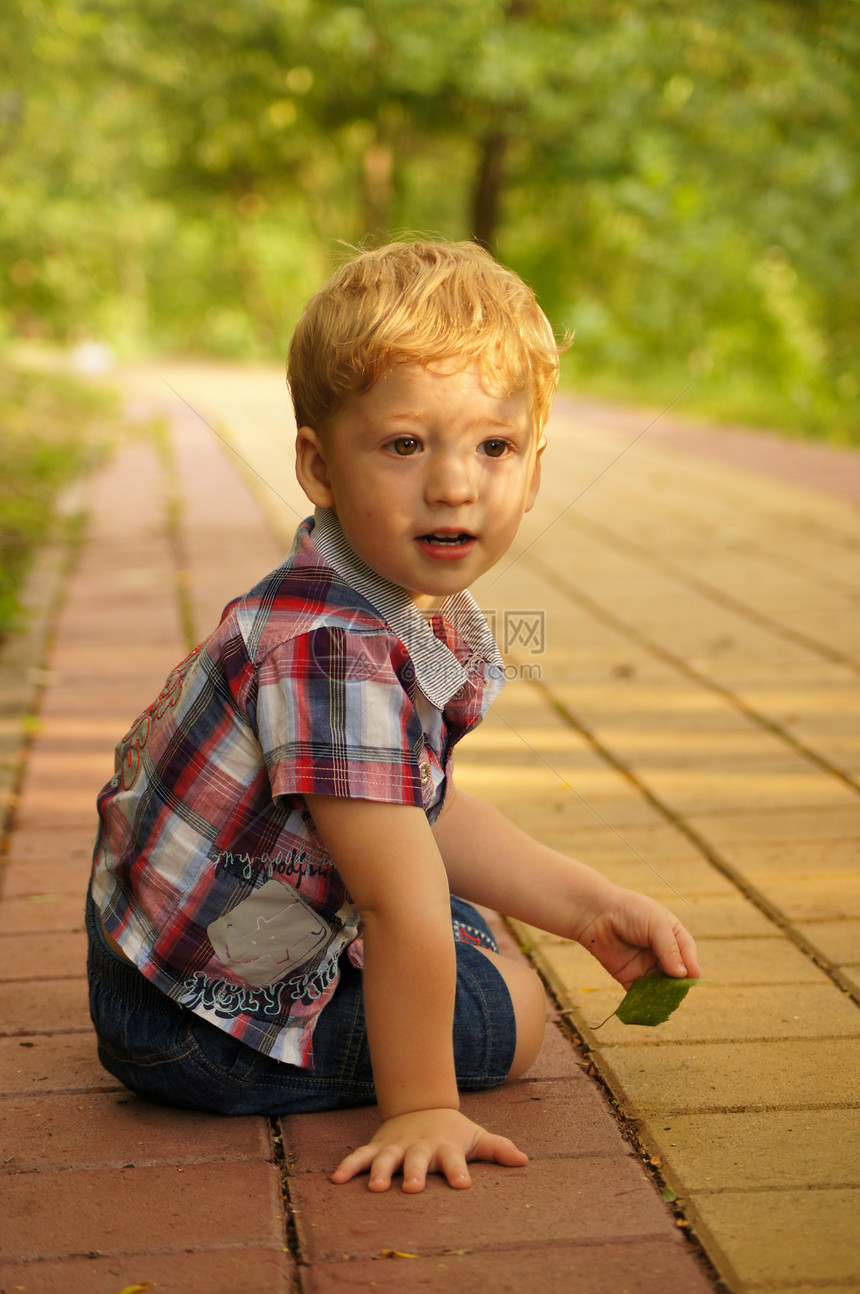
{"x":678,"y":181}
{"x":53,"y":429}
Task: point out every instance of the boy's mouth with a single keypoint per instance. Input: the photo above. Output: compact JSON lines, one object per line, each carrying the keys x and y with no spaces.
{"x":447,"y":538}
{"x":446,"y":545}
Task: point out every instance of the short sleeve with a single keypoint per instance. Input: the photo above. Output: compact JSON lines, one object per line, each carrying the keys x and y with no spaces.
{"x":335,"y":716}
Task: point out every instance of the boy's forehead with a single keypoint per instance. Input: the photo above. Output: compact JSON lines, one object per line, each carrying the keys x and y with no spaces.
{"x":408,"y":386}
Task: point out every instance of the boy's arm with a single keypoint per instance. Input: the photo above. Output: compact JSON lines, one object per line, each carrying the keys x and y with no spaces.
{"x":491,"y":862}
{"x":391,"y":866}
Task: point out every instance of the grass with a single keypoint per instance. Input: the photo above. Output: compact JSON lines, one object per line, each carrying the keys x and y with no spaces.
{"x":740,"y":401}
{"x":52,"y":430}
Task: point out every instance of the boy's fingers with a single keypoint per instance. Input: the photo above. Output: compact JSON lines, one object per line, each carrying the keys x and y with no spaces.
{"x":416,"y":1164}
{"x":676,"y":952}
{"x":672,"y":962}
{"x":452,"y":1162}
{"x":419,"y":1159}
{"x":687,"y":945}
{"x":501,"y":1150}
{"x":358,"y":1161}
{"x":385,"y":1164}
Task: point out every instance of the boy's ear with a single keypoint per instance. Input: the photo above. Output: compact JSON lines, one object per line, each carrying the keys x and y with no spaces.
{"x":535,"y":481}
{"x":311,"y":468}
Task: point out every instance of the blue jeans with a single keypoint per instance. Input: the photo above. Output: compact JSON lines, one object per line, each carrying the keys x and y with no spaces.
{"x":165,"y":1053}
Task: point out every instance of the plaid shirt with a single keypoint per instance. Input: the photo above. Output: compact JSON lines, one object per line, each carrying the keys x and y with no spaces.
{"x":324,"y":679}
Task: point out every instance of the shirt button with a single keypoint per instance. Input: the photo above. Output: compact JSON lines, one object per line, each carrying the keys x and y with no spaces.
{"x":424,"y":772}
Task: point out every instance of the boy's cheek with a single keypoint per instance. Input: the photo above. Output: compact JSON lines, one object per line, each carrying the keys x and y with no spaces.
{"x":534,"y":485}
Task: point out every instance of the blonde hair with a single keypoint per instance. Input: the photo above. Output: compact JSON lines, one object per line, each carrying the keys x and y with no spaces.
{"x":420,"y":302}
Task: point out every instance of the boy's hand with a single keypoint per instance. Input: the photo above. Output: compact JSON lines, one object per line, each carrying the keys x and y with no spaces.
{"x":633,"y":934}
{"x":427,"y":1141}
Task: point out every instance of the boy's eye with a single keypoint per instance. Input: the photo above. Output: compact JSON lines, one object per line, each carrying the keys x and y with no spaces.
{"x":495,"y":448}
{"x":405,"y":445}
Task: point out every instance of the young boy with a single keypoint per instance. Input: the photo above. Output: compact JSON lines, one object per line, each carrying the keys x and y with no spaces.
{"x":271,"y":920}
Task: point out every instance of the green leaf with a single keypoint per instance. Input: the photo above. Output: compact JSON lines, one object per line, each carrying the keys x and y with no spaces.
{"x":652,"y":998}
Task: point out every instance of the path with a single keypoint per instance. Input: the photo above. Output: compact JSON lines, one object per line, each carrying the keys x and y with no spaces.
{"x":684,"y":715}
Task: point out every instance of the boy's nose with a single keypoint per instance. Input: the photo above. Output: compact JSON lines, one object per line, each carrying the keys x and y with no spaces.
{"x":450,"y":480}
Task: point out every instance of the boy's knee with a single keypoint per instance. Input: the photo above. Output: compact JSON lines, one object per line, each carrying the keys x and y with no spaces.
{"x":528,"y":998}
{"x":530,"y":1011}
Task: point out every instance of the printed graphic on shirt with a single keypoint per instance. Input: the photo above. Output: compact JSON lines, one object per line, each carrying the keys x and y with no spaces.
{"x":297,"y":863}
{"x":137,"y":737}
{"x":269,"y":936}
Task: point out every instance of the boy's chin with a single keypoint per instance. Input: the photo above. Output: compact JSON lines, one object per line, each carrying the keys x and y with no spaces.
{"x":430,"y":597}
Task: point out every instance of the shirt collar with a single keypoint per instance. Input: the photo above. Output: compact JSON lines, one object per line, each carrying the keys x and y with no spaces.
{"x":438,"y":672}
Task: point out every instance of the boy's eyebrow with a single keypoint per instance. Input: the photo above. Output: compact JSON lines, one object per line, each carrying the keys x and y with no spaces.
{"x":421,"y":415}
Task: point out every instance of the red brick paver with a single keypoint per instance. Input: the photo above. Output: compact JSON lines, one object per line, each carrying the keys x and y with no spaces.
{"x":100,"y":1191}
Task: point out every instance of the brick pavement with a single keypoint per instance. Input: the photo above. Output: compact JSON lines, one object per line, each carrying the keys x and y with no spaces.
{"x":695,"y":690}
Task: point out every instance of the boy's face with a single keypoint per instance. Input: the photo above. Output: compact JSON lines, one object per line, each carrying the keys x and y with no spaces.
{"x":429,"y":475}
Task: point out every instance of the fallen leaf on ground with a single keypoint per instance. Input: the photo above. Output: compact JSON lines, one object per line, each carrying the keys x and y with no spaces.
{"x":651,"y":999}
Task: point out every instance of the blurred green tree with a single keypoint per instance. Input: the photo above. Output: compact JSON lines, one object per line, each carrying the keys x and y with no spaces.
{"x":678,"y":182}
